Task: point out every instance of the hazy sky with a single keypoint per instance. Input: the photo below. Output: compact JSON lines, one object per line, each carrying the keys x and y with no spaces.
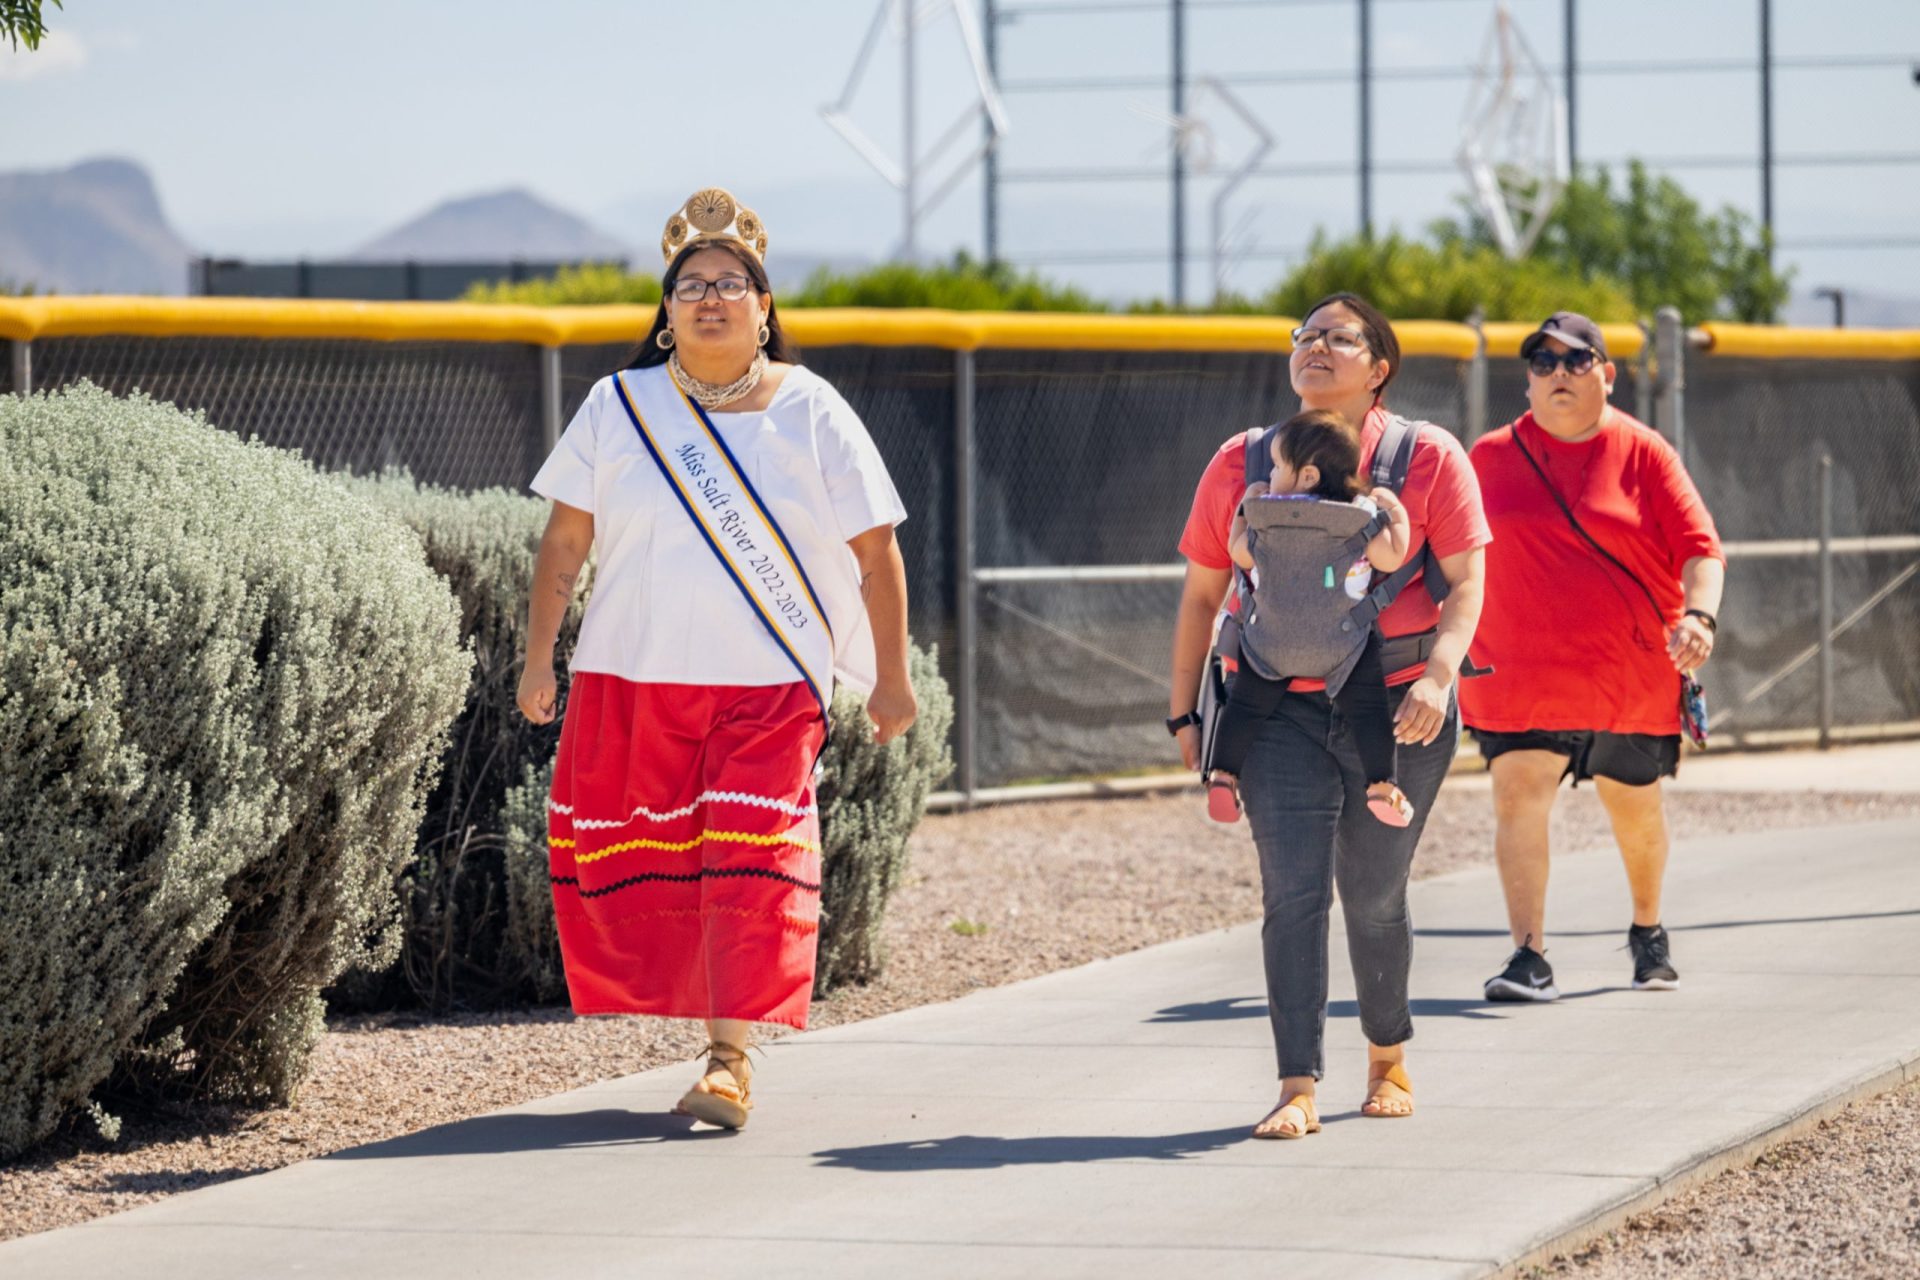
{"x":276,"y":129}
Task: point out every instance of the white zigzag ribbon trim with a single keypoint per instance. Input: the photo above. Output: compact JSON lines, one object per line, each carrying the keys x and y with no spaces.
{"x":705,"y":797}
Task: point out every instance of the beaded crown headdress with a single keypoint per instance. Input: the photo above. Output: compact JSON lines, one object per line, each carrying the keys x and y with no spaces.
{"x":712,"y":215}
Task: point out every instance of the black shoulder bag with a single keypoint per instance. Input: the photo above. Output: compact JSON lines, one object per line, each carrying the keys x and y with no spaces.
{"x":1693,"y":699}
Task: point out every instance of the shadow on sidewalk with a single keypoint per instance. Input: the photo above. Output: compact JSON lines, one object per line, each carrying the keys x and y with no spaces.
{"x":491,"y":1135}
{"x":1675,"y":928}
{"x":1424,"y":1007}
{"x":971,"y":1151}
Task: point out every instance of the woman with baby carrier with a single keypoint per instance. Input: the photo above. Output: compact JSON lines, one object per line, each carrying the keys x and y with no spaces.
{"x":1303,"y":782}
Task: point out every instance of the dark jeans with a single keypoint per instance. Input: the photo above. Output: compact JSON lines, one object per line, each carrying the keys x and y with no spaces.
{"x":1362,"y":703}
{"x":1305,"y":796}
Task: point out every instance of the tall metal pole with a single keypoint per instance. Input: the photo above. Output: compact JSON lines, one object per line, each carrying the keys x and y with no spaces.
{"x":1826,"y":601}
{"x":1670,"y":352}
{"x":909,"y":149}
{"x":1179,"y":153}
{"x":21,"y":358}
{"x":1366,"y":117}
{"x":966,"y":589}
{"x":990,"y":29}
{"x":1476,"y":424}
{"x":1571,"y":77}
{"x":1766,"y":123}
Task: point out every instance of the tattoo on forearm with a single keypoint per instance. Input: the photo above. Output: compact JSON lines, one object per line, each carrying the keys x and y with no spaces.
{"x":866,"y":585}
{"x":565,"y":590}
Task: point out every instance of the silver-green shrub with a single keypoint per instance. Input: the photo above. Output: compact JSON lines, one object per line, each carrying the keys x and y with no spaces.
{"x":871,"y":799}
{"x":224,"y":688}
{"x":457,"y":891}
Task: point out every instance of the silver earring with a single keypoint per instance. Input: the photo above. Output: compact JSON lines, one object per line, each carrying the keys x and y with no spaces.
{"x":766,"y":335}
{"x":664,"y":339}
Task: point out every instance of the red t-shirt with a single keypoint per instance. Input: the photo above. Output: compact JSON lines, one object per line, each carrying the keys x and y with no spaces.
{"x":1573,"y":643}
{"x":1443,"y":507}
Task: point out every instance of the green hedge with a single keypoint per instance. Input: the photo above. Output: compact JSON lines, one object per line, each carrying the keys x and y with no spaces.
{"x":225,"y":684}
{"x":456,"y":950}
{"x":871,"y":799}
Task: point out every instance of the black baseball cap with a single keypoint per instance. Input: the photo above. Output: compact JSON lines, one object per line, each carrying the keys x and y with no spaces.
{"x":1571,"y":328}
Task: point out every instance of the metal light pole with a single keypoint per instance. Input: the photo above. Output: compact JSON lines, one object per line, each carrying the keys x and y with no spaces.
{"x":1766,"y":123}
{"x":1571,"y":79}
{"x":1366,"y":117}
{"x":910,"y":148}
{"x":990,"y":32}
{"x":1839,"y":297}
{"x":1179,"y":153}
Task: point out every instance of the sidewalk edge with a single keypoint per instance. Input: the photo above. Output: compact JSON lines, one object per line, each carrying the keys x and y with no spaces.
{"x":1741,"y":1152}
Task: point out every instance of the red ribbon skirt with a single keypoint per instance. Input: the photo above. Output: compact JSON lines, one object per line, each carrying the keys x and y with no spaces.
{"x":685,"y":849}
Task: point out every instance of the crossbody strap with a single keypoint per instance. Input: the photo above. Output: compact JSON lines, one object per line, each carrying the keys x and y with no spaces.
{"x":1660,"y":619}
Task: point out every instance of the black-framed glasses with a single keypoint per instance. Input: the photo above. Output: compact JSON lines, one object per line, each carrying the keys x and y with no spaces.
{"x":1345,"y":341}
{"x":1577,"y":360}
{"x":694,"y":289}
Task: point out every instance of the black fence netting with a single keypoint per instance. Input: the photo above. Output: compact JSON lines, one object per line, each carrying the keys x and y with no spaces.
{"x":1756,"y":432}
{"x":464,"y":414}
{"x":1089,"y":458}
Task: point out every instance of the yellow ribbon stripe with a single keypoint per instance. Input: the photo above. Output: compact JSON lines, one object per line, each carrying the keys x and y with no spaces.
{"x":681,"y":846}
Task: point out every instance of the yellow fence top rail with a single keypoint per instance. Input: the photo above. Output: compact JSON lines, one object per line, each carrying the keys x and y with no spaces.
{"x":62,"y":317}
{"x":25,"y":319}
{"x":1769,"y":343}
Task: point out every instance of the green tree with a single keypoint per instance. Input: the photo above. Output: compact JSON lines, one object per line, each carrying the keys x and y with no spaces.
{"x":591,"y":284}
{"x":962,"y":284}
{"x":20,"y":22}
{"x":1448,"y":281}
{"x":1658,"y":241}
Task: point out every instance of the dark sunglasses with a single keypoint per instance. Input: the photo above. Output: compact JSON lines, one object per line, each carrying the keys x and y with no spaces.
{"x":1543,"y":362}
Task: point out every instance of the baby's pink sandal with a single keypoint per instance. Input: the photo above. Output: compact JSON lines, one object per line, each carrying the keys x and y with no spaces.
{"x":1389,"y":804}
{"x":1223,"y":801}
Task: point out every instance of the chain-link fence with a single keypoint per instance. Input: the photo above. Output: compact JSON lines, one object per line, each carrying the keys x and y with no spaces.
{"x":1048,"y":485}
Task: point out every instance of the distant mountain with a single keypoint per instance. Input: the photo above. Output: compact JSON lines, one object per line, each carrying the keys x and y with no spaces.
{"x":496,"y":227}
{"x":94,"y":228}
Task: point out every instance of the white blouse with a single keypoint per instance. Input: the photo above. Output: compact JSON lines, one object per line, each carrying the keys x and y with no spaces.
{"x":662,"y":610}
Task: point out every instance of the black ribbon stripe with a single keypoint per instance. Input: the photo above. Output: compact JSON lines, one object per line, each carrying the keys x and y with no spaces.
{"x":690,"y":877}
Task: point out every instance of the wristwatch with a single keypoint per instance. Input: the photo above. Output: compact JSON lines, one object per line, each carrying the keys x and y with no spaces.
{"x":1175,"y":725}
{"x":1713,"y":623}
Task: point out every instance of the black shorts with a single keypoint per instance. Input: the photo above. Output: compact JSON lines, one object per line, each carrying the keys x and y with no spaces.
{"x":1635,"y":759}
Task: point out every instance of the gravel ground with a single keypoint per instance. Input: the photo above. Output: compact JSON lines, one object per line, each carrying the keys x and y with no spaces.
{"x":1843,"y":1201}
{"x":993,"y":897}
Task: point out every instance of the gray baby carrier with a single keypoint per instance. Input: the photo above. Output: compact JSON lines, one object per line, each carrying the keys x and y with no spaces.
{"x":1299,"y":621}
{"x":1302,"y":622}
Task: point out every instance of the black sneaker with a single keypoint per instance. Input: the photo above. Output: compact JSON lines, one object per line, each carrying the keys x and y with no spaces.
{"x":1652,"y":966}
{"x":1527,"y":976}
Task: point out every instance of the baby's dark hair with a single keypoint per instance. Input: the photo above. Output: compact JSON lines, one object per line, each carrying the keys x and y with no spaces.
{"x":1322,"y":438}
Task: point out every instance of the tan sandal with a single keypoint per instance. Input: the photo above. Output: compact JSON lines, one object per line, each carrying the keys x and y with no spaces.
{"x":1382,"y":1076}
{"x":718,"y":1102}
{"x":1300,"y":1103}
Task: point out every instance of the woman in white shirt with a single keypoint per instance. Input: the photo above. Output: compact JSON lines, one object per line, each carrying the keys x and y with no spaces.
{"x":742,"y":523}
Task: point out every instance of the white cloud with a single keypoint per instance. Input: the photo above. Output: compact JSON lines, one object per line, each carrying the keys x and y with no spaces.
{"x":59,"y":53}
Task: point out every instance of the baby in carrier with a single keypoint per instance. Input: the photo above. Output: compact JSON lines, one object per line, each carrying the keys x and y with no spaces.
{"x":1310,"y":541}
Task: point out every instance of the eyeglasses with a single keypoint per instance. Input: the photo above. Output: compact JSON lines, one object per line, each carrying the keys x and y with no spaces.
{"x":1345,"y":341}
{"x":1543,"y":362}
{"x":694,"y":289}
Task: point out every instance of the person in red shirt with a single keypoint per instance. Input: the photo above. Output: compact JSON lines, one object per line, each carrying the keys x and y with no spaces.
{"x":1303,"y":784}
{"x":1589,"y":630}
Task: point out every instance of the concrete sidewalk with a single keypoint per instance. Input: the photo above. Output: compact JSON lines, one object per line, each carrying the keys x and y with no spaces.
{"x":1095,"y":1122}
